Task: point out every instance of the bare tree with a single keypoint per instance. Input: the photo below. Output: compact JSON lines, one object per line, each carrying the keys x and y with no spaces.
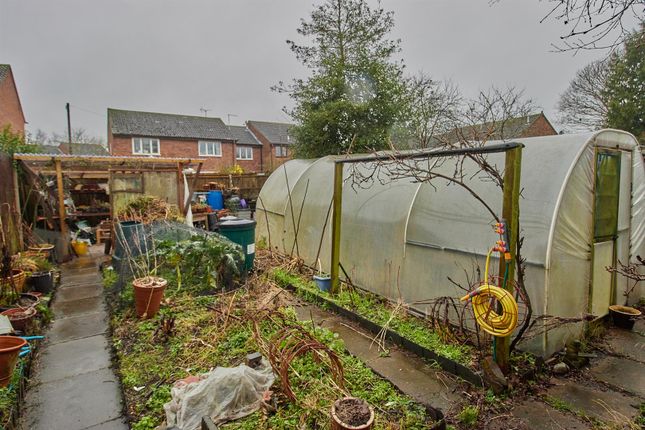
{"x":79,"y":135}
{"x":584,"y":105}
{"x":431,"y":107}
{"x":595,"y":24}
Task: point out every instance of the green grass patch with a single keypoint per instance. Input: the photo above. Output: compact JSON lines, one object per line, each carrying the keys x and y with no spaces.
{"x":379,"y":311}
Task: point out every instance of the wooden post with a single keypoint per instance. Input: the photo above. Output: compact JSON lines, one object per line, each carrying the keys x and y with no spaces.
{"x":18,"y":211}
{"x":511,"y":213}
{"x":62,"y":214}
{"x":335,"y":232}
{"x":180,"y":186}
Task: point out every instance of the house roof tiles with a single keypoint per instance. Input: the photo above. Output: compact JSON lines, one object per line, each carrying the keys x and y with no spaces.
{"x":152,"y":124}
{"x":243,"y":136}
{"x":276,"y":132}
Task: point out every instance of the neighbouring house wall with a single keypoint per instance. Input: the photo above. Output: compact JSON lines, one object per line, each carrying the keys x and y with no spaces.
{"x":269,"y":161}
{"x":122,"y":145}
{"x":540,"y":127}
{"x":10,"y":109}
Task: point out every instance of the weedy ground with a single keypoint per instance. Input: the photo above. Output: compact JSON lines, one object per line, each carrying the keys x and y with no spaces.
{"x":216,"y":330}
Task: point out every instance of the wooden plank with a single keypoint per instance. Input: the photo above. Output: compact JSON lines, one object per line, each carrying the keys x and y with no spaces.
{"x":61,"y":200}
{"x":511,"y":213}
{"x":336,"y":225}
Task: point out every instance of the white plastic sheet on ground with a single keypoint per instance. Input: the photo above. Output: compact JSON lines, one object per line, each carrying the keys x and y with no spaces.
{"x":224,"y":394}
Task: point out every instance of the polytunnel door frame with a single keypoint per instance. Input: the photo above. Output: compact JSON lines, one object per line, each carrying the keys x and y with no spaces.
{"x":607,"y":186}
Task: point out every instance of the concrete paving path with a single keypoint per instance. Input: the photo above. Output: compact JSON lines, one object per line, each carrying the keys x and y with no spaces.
{"x":409,"y":373}
{"x":73,"y":386}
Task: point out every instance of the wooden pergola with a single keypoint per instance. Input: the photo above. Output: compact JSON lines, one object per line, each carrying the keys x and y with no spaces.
{"x":101,"y":167}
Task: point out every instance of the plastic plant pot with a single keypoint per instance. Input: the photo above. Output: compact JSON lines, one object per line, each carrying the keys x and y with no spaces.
{"x":43,"y":282}
{"x":9,"y":349}
{"x":355,"y":405}
{"x":148,"y":293}
{"x":624,"y":316}
{"x":323,"y":282}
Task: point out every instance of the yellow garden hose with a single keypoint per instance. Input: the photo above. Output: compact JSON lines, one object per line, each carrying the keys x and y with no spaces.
{"x":500,"y":325}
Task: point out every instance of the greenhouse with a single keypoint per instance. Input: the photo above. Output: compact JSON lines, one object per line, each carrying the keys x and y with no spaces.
{"x":582,"y":208}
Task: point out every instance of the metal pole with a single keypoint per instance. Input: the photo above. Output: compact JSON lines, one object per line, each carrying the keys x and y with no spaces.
{"x":69,"y":129}
{"x":335,"y":232}
{"x":510,"y":212}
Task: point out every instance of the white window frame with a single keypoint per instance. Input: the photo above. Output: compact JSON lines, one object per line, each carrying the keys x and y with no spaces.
{"x":248,"y":153}
{"x":149,"y":140}
{"x":216,"y":144}
{"x":281,"y":151}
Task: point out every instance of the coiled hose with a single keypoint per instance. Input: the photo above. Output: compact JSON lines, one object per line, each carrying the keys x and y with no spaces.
{"x":498,"y":324}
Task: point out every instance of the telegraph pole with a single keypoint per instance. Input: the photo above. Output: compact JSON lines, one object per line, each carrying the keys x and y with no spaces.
{"x":69,"y":128}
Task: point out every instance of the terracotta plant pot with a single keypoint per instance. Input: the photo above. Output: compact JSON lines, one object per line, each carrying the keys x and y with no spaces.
{"x":351,"y":413}
{"x":9,"y":349}
{"x":624,"y":316}
{"x":28,"y":300}
{"x":17,"y":280}
{"x":43,"y":248}
{"x":20,"y":318}
{"x":148,"y":293}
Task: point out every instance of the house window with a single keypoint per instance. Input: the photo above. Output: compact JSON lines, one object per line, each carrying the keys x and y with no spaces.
{"x":244,"y":153}
{"x":145,"y":146}
{"x":281,"y":151}
{"x":210,"y":149}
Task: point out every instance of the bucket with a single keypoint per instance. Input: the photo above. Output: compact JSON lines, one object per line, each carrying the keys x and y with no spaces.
{"x":9,"y":349}
{"x":323,"y":283}
{"x":215,"y":200}
{"x":80,"y":248}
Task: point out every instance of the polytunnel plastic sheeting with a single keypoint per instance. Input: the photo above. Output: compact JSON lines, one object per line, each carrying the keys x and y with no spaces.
{"x":448,"y":217}
{"x":275,"y":193}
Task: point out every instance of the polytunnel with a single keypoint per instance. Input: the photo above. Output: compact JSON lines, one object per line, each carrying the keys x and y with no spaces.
{"x":582,"y":208}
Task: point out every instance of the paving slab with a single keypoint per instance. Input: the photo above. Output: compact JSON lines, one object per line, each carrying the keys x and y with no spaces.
{"x":67,"y":359}
{"x":65,"y":329}
{"x":627,"y":343}
{"x":626,"y":374}
{"x":89,"y":278}
{"x":79,"y":292}
{"x":409,"y":373}
{"x":117,"y":424}
{"x":536,"y":415}
{"x":78,"y":307}
{"x":593,"y":401}
{"x":73,"y":403}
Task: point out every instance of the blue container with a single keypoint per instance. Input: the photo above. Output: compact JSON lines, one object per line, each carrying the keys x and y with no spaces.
{"x":323,"y":283}
{"x":215,"y":200}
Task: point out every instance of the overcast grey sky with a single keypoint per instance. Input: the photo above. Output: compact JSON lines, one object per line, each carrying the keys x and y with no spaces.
{"x":178,"y":56}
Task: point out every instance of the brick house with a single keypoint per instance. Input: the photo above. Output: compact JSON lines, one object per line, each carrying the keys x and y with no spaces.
{"x":533,"y":125}
{"x":167,"y":135}
{"x":276,"y":141}
{"x":10,"y":108}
